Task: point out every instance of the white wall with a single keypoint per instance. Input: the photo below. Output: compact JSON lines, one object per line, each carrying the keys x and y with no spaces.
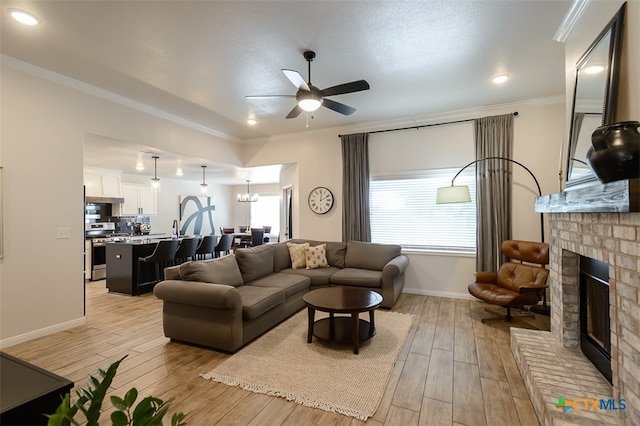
{"x":43,"y":126}
{"x":318,"y":156}
{"x":538,"y":131}
{"x":42,"y":132}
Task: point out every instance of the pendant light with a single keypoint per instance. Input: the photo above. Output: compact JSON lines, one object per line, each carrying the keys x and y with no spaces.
{"x":203,"y":185}
{"x":155,"y":182}
{"x":247,"y":197}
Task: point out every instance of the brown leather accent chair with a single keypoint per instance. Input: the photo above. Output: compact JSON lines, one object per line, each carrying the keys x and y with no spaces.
{"x":515,"y":283}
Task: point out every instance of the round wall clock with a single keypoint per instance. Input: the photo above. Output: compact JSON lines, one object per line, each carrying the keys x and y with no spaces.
{"x":320,"y":200}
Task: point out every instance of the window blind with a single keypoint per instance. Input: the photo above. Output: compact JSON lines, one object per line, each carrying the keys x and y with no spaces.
{"x":404,"y":211}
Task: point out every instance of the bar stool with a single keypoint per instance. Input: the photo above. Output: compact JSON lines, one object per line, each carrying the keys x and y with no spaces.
{"x":162,"y":256}
{"x":186,"y":250}
{"x":207,"y":245}
{"x":224,"y":245}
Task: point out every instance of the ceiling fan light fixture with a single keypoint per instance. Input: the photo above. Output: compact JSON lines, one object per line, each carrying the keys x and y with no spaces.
{"x":309,"y":101}
{"x":309,"y":105}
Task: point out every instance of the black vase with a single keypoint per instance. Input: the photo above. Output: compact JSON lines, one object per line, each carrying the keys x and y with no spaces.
{"x":614,"y":153}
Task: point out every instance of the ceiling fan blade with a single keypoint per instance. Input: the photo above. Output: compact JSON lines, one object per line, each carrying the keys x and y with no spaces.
{"x":294,"y":112}
{"x":338,"y":107}
{"x":340,"y":89}
{"x":297,"y":80}
{"x":269,"y":96}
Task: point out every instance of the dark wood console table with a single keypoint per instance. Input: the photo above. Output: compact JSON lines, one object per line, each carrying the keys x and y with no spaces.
{"x":28,"y":392}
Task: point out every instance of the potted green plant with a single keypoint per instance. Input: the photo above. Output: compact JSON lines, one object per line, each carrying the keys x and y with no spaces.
{"x":149,"y":411}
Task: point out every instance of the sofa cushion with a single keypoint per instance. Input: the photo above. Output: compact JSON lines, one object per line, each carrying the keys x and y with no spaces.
{"x":318,"y":277}
{"x":255,"y":262}
{"x":296,"y":251}
{"x":357,"y":277}
{"x":219,"y":271}
{"x":258,"y":300}
{"x":335,"y":254}
{"x":316,"y":256}
{"x":335,"y":251}
{"x":369,"y":255}
{"x":289,"y":283}
{"x":281,"y":257}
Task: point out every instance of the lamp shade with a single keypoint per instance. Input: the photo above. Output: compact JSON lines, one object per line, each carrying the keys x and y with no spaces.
{"x":453,"y":194}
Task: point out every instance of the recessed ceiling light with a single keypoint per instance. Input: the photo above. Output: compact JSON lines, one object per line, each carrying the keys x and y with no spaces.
{"x":594,"y":69}
{"x":23,"y":17}
{"x":501,"y":78}
{"x":179,"y":171}
{"x":139,"y":165}
{"x":251,"y":121}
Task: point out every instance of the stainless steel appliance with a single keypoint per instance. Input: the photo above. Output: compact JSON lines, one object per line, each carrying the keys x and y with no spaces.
{"x":99,"y":233}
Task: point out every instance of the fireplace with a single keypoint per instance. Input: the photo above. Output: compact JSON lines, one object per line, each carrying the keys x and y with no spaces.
{"x":552,"y":363}
{"x":595,"y":329}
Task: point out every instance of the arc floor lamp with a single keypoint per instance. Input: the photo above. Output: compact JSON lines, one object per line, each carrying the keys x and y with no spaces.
{"x":460,"y":194}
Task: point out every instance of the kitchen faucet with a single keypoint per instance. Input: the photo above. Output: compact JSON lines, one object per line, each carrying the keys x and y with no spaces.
{"x":176,"y":228}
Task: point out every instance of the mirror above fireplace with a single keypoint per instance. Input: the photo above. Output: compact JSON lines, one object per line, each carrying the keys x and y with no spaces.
{"x":595,"y":97}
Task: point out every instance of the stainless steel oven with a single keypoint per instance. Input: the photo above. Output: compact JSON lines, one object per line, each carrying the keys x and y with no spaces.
{"x":99,"y":233}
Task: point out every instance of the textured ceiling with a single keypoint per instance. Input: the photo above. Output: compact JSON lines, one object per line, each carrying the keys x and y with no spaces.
{"x":199,"y":59}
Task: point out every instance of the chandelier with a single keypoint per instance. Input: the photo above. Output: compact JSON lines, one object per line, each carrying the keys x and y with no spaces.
{"x":247,"y":197}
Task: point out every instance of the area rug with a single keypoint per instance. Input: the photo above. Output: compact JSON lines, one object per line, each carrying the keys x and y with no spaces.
{"x":319,"y":375}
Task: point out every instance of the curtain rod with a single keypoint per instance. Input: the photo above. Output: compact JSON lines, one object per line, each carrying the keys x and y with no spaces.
{"x":425,"y":125}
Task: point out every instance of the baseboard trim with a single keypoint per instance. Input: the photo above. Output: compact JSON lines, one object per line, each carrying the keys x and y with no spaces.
{"x":5,"y":343}
{"x":423,"y":292}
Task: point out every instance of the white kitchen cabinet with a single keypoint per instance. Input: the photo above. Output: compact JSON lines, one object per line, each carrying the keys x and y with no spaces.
{"x":101,"y":185}
{"x":138,"y":200}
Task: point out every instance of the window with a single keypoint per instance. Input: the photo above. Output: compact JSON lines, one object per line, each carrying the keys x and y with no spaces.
{"x":266,"y":212}
{"x":404,"y":211}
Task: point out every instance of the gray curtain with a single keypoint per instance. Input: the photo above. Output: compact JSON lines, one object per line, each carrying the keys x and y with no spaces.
{"x":356,"y":225}
{"x":494,"y":138}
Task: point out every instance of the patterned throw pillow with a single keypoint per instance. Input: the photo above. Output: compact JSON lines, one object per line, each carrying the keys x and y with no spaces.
{"x":316,"y":257}
{"x":296,"y":251}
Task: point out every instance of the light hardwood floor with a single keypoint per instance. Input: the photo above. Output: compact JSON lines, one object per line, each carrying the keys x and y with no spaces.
{"x":453,"y":370}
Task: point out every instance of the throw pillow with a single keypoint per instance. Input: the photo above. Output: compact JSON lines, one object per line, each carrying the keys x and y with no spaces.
{"x":296,"y":251}
{"x":316,"y":257}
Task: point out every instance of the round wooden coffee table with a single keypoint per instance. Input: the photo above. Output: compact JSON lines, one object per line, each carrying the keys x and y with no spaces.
{"x":342,"y":300}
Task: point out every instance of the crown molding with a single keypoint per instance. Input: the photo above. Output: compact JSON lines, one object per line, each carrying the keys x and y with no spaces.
{"x":570,"y":19}
{"x":110,"y":96}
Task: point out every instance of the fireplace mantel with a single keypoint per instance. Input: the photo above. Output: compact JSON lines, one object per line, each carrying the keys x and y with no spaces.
{"x":621,"y":196}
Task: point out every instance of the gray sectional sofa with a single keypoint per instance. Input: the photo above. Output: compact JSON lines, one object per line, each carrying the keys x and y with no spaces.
{"x":227,"y":302}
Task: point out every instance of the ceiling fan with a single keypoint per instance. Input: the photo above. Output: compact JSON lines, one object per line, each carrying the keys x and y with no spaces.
{"x":309,"y":98}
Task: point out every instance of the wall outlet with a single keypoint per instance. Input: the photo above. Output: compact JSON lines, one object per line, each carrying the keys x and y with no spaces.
{"x":63,"y":233}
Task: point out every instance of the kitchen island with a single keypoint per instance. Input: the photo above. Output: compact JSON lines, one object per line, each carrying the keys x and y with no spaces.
{"x":125,"y":274}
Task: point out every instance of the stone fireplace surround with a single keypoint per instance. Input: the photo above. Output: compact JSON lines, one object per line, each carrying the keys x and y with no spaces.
{"x":551,"y":362}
